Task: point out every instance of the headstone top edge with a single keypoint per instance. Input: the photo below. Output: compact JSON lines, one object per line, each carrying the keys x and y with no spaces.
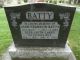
{"x":17,"y":5}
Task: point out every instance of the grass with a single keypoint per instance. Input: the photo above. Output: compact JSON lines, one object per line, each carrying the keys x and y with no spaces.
{"x":5,"y":36}
{"x":74,"y":36}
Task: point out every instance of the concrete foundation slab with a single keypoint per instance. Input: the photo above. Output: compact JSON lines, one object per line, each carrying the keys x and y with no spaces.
{"x":41,"y":53}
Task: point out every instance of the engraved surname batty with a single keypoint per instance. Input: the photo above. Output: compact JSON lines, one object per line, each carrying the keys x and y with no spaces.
{"x":39,"y":15}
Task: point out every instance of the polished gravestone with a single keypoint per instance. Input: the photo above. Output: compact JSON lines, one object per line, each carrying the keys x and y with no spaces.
{"x":40,"y":31}
{"x":40,"y":24}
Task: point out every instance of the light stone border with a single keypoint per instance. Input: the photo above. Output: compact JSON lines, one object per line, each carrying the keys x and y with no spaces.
{"x":41,"y":52}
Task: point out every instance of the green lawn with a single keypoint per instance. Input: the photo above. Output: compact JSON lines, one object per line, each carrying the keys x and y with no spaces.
{"x":5,"y":36}
{"x":74,"y":36}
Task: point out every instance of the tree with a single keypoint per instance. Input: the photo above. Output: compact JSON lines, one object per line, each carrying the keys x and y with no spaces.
{"x":78,"y":1}
{"x":70,"y":1}
{"x":75,"y":1}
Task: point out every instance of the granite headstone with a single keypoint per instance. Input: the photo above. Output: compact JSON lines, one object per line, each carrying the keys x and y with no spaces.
{"x":40,"y":24}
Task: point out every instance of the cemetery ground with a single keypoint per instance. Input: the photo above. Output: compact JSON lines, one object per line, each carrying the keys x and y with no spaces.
{"x":74,"y":35}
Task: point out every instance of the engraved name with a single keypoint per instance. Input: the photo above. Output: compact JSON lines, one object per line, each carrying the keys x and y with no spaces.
{"x":39,"y":15}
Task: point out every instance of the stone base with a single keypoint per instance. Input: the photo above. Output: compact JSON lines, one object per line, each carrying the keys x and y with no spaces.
{"x":41,"y":53}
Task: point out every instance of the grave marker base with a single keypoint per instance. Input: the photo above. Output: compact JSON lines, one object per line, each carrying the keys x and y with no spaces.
{"x":41,"y":53}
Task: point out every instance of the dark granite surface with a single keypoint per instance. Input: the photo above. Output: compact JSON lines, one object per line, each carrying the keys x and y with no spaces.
{"x":16,"y":15}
